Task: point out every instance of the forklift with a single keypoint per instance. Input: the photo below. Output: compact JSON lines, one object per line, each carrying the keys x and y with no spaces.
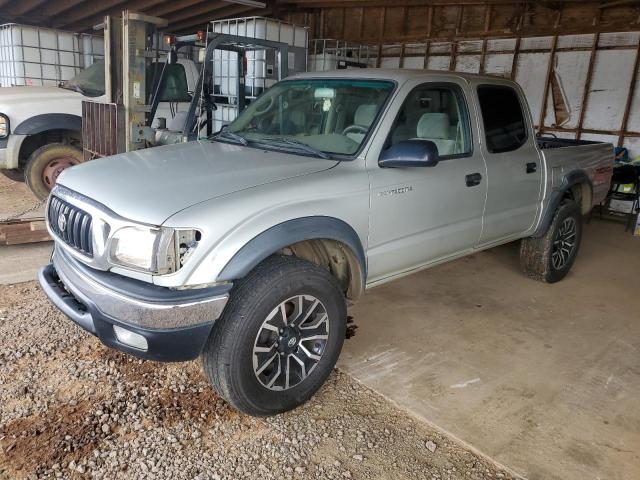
{"x":136,"y":82}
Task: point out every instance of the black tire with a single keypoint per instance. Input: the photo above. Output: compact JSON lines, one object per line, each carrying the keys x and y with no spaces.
{"x":228,"y":356}
{"x":546,"y":258}
{"x":47,"y":155}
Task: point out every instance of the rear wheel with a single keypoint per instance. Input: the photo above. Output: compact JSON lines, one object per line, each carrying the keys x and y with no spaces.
{"x":279,"y":337}
{"x":550,"y":257}
{"x":45,"y":165}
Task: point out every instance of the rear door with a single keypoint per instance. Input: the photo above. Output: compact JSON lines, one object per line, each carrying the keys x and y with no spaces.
{"x":514,"y":166}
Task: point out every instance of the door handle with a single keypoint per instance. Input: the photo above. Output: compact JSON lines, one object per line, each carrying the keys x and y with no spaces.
{"x":532,"y":167}
{"x":473,"y":179}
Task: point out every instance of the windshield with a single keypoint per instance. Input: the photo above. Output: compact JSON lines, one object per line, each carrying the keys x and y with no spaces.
{"x":315,"y":116}
{"x":89,"y":82}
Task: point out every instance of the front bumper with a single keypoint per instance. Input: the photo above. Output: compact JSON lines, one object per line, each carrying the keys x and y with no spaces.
{"x":174,"y":323}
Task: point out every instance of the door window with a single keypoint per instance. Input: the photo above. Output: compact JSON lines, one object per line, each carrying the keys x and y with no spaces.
{"x":504,"y":125}
{"x":435,"y":112}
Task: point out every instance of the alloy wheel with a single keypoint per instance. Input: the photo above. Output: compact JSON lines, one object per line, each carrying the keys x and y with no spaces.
{"x":290,"y":342}
{"x":564,"y":243}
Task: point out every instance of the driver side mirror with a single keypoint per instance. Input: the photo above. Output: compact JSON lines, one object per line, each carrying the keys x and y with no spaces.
{"x":410,"y":153}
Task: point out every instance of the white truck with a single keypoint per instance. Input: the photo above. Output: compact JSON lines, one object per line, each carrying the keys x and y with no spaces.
{"x":245,"y":248}
{"x":41,"y":127}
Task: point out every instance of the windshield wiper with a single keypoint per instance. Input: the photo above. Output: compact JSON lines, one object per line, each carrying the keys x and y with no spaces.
{"x":301,"y":145}
{"x":232,"y":136}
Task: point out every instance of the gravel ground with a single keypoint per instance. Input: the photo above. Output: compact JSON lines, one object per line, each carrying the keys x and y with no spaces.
{"x":71,"y":408}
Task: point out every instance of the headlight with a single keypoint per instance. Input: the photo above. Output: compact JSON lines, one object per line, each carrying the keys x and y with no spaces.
{"x":4,"y":126}
{"x":152,"y":250}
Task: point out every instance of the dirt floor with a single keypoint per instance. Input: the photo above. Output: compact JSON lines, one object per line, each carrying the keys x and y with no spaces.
{"x":71,"y":408}
{"x":15,"y":197}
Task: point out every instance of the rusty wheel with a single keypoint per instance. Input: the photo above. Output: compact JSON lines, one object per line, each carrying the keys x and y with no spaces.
{"x":54,"y":168}
{"x":46,"y":164}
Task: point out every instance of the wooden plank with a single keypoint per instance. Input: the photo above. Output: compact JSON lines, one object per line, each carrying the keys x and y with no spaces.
{"x":587,"y":85}
{"x":547,"y":83}
{"x":514,"y":61}
{"x":632,"y":91}
{"x":30,"y":230}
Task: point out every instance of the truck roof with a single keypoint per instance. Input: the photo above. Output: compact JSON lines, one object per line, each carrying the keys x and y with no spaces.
{"x":398,"y":74}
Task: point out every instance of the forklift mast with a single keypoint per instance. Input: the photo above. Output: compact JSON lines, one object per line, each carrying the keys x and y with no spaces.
{"x":123,"y":124}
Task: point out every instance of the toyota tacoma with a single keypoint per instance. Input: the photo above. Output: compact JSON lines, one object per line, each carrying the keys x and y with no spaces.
{"x":245,"y":248}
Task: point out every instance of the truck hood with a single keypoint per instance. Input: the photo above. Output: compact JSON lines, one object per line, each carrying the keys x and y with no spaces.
{"x":29,"y":94}
{"x":151,"y":185}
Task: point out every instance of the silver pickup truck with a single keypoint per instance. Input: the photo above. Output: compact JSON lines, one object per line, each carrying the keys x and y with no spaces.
{"x":245,"y":248}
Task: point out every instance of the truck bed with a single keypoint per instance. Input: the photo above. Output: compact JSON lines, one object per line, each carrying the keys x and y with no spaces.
{"x":553,"y":142}
{"x":594,"y":158}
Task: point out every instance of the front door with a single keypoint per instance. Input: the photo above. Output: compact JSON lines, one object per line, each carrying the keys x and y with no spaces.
{"x":513,"y":164}
{"x":420,"y":215}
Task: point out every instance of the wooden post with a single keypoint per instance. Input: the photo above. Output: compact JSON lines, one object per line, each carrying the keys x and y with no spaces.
{"x":487,"y":27}
{"x":587,"y":85}
{"x":632,"y":90}
{"x":514,"y":62}
{"x":427,"y":47}
{"x":547,"y":82}
{"x":483,"y":56}
{"x":381,"y":37}
{"x":454,"y":56}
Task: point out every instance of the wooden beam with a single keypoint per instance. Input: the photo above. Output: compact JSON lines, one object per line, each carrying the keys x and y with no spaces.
{"x":483,"y":56}
{"x":170,"y":7}
{"x":201,"y":20}
{"x":547,"y":82}
{"x":454,"y":56}
{"x":587,"y":85}
{"x":487,"y":17}
{"x":27,"y":230}
{"x":381,"y":36}
{"x":23,"y":7}
{"x":200,"y":8}
{"x":632,"y":90}
{"x":514,"y":61}
{"x":87,"y":23}
{"x":85,"y":11}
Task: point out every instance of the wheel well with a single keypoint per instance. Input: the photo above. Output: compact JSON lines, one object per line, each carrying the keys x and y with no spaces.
{"x":581,"y":194}
{"x":335,"y":257}
{"x":35,"y":141}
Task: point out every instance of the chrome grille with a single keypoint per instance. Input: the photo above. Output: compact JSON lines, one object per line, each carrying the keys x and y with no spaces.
{"x":71,"y":225}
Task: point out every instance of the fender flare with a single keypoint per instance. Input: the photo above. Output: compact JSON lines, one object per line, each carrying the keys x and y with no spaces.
{"x":288,"y":233}
{"x":49,"y":121}
{"x":575,"y":177}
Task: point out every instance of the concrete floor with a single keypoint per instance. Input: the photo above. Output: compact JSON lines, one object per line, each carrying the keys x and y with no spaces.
{"x":20,"y":263}
{"x":543,"y":378}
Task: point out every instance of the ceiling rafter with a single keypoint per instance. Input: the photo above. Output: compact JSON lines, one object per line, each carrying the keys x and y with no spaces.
{"x":204,"y":18}
{"x":87,"y":10}
{"x":88,"y":23}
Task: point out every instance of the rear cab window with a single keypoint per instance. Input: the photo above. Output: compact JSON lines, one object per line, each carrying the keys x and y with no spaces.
{"x":505,"y":128}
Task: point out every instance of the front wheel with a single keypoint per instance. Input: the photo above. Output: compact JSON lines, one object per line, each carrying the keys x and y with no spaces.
{"x":279,"y":337}
{"x":550,"y":257}
{"x":45,"y":165}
